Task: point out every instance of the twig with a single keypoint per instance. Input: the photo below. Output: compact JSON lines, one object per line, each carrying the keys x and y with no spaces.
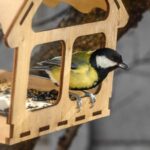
{"x":1,"y":33}
{"x":66,"y":140}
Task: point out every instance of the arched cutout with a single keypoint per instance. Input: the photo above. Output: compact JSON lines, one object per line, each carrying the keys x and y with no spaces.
{"x":45,"y":92}
{"x":58,"y":16}
{"x":83,"y":6}
{"x":85,"y":44}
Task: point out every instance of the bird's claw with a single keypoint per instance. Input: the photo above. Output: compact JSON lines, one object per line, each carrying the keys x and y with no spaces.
{"x":79,"y":103}
{"x":92,"y":99}
{"x":91,"y":96}
{"x":76,"y":97}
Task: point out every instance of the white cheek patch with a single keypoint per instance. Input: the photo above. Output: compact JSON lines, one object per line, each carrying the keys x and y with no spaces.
{"x":104,"y":62}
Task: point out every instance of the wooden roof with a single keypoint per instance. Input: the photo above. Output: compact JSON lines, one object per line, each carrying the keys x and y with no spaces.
{"x":9,"y":10}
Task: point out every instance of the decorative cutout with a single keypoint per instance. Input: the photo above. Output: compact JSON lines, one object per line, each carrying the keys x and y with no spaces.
{"x":97,"y":113}
{"x":43,"y":97}
{"x":116,"y":1}
{"x":50,"y":20}
{"x":26,"y":13}
{"x":62,"y":123}
{"x":80,"y":118}
{"x":82,"y":5}
{"x":24,"y":134}
{"x":45,"y":128}
{"x":85,"y":43}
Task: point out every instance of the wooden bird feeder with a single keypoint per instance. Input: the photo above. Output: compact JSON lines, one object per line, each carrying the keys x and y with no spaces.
{"x":16,"y":23}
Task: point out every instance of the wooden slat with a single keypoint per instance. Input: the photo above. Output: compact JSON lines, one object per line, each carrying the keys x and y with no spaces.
{"x":35,"y":82}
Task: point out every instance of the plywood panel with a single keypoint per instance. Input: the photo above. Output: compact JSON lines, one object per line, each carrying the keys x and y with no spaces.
{"x":9,"y":10}
{"x":5,"y":129}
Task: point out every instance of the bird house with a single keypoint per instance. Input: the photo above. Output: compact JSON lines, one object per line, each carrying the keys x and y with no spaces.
{"x":16,"y":21}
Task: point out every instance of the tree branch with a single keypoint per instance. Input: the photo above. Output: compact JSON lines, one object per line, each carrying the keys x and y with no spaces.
{"x":66,"y":140}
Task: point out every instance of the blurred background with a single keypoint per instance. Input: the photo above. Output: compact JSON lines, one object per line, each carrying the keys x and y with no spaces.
{"x":127,"y":128}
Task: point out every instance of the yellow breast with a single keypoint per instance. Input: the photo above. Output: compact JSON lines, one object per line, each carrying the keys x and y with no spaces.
{"x":83,"y":77}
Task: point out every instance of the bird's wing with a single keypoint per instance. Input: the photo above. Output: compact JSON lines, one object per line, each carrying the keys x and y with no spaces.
{"x":56,"y":61}
{"x":78,"y":58}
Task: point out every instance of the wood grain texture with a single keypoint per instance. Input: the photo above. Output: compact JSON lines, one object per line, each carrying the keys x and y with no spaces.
{"x":5,"y":129}
{"x":27,"y":125}
{"x":9,"y":10}
{"x":35,"y":82}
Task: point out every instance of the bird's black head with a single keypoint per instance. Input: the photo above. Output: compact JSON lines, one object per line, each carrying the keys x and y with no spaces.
{"x":106,"y":60}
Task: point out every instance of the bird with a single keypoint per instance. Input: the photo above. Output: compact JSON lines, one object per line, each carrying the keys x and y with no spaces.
{"x":88,"y":70}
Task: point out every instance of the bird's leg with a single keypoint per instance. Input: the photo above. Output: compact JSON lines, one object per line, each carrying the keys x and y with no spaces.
{"x":91,"y":96}
{"x":77,"y":98}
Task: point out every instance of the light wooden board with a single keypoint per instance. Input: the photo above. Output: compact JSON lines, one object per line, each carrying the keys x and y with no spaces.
{"x":35,"y":82}
{"x":65,"y":113}
{"x":5,"y":129}
{"x":9,"y":9}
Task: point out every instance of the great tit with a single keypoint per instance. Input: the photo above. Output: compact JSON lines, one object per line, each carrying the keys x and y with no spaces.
{"x":88,"y":69}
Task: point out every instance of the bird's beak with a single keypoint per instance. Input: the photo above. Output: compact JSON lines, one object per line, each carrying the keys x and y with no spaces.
{"x":123,"y":66}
